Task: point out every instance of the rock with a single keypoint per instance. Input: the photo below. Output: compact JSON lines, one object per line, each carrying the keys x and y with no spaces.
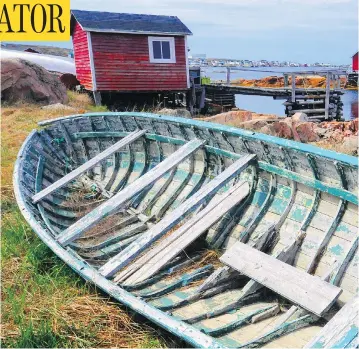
{"x":22,"y":80}
{"x":321,"y":132}
{"x":264,"y":116}
{"x":306,"y":132}
{"x":347,"y":133}
{"x":254,"y":125}
{"x":300,"y":117}
{"x":234,"y":118}
{"x":59,"y":106}
{"x":282,"y":129}
{"x":333,"y":125}
{"x":70,"y":81}
{"x":268,"y":129}
{"x":353,"y":125}
{"x":183,"y":113}
{"x":337,"y":136}
{"x":351,"y":145}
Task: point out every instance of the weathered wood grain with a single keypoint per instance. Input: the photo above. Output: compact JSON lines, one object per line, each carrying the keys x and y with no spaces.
{"x":171,"y":219}
{"x":341,"y":331}
{"x":122,"y":197}
{"x":176,"y":242}
{"x":299,"y":287}
{"x":88,"y":165}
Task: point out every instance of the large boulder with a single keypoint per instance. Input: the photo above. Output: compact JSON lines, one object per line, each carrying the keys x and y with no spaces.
{"x":306,"y":132}
{"x":283,"y":129}
{"x":22,"y":80}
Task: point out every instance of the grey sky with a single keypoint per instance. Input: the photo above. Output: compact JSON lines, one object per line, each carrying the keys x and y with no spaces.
{"x":298,"y":30}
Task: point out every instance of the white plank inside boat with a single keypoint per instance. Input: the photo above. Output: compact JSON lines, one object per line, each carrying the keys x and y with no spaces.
{"x":170,"y":220}
{"x":303,"y":289}
{"x":175,"y":243}
{"x":341,"y":331}
{"x":88,"y":165}
{"x":122,"y":197}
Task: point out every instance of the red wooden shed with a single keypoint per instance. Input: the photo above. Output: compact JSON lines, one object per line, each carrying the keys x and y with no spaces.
{"x":129,"y":52}
{"x":355,"y":62}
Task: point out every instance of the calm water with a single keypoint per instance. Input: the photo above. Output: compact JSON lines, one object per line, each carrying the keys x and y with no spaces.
{"x":260,"y":104}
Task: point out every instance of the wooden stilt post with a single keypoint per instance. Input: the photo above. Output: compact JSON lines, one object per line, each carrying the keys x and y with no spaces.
{"x":338,"y":77}
{"x":97,"y":97}
{"x":327,"y":95}
{"x":228,"y":75}
{"x":293,"y":88}
{"x":286,"y":82}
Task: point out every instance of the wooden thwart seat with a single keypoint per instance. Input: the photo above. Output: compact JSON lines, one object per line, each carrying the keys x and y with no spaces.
{"x":306,"y":290}
{"x":88,"y":165}
{"x":170,"y":220}
{"x":121,"y":198}
{"x":341,"y":331}
{"x":175,"y":243}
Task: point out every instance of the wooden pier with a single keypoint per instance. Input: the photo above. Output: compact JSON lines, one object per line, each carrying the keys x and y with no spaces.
{"x":317,"y":103}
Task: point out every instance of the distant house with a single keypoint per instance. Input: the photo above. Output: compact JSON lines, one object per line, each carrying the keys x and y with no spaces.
{"x":355,"y":62}
{"x":129,"y":52}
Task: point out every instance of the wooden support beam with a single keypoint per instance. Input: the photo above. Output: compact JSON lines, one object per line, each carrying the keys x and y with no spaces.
{"x":341,"y":331}
{"x":97,"y":98}
{"x":170,"y":220}
{"x":228,"y":76}
{"x":121,"y":198}
{"x":175,"y":243}
{"x":88,"y":165}
{"x":286,"y":83}
{"x":294,"y":284}
{"x":327,"y":95}
{"x":293,"y":88}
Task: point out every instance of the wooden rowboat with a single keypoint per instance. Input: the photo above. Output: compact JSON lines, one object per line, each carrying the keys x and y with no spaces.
{"x":224,"y":237}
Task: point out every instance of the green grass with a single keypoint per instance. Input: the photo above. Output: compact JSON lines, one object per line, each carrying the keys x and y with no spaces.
{"x":44,"y":303}
{"x":41,"y":295}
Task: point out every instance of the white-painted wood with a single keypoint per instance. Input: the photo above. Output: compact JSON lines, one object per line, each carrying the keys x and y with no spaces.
{"x":92,"y":63}
{"x":187,"y":62}
{"x":266,"y":314}
{"x":122,"y":197}
{"x":88,"y":165}
{"x":171,"y":219}
{"x":340,"y":330}
{"x":296,"y":285}
{"x":178,"y":240}
{"x":286,"y":316}
{"x":170,"y":40}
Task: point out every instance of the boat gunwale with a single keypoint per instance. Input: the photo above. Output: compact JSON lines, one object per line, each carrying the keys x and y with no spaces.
{"x":349,"y":160}
{"x":169,"y":323}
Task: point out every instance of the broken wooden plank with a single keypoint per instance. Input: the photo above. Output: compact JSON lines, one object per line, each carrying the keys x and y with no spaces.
{"x":175,"y":243}
{"x":88,"y":165}
{"x":170,"y":220}
{"x":294,"y":284}
{"x":122,"y":197}
{"x":341,"y":331}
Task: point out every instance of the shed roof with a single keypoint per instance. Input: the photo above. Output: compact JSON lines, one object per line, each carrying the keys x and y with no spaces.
{"x":109,"y":22}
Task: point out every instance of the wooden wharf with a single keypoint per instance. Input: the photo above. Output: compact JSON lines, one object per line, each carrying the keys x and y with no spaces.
{"x":318,"y":103}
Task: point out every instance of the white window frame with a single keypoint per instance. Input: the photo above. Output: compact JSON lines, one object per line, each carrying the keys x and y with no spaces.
{"x":171,"y":40}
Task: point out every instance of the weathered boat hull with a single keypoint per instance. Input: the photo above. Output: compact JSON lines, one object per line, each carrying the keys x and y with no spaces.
{"x":301,"y":208}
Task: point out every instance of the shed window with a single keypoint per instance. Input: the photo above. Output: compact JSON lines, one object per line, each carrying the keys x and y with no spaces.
{"x":161,"y":49}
